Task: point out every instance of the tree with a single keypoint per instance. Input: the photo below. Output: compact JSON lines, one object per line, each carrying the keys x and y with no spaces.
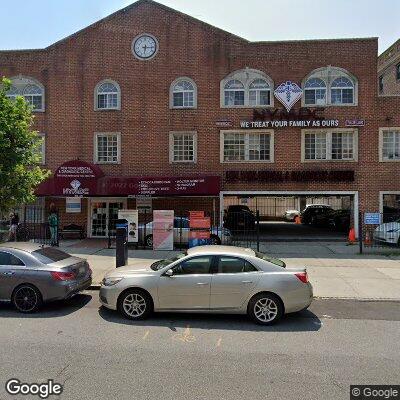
{"x":20,"y":173}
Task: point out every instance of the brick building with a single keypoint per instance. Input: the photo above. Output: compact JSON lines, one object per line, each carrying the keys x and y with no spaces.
{"x":389,"y":71}
{"x":149,"y":101}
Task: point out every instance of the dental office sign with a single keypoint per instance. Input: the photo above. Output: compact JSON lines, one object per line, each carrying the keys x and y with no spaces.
{"x":288,"y":93}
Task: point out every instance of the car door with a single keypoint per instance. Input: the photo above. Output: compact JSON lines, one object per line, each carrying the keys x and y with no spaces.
{"x":232,"y":282}
{"x":188,"y":287}
{"x":11,"y":271}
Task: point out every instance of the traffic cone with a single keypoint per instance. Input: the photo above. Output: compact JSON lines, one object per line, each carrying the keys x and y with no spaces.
{"x":297,"y":220}
{"x":367,"y":241}
{"x":352,"y":236}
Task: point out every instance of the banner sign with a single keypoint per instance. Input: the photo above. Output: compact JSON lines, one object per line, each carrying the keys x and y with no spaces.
{"x":73,"y":205}
{"x":354,"y":122}
{"x":372,"y":218}
{"x":132,"y":217}
{"x":163,"y":230}
{"x":199,"y":225}
{"x":332,"y":123}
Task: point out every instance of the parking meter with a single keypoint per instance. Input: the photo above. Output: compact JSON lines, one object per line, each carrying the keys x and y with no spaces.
{"x":121,"y":239}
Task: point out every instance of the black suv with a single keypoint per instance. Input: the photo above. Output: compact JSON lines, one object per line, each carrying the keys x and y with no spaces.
{"x":239,"y":218}
{"x":312,"y":211}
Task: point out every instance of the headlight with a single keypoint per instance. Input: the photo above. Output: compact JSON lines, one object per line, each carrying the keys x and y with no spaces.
{"x":111,"y":281}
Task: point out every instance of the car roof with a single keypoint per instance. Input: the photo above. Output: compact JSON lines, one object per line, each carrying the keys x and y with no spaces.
{"x":318,"y":205}
{"x":24,"y":246}
{"x":226,"y":250}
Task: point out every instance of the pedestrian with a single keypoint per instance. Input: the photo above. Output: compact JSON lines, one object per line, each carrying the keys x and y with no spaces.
{"x":53,"y":223}
{"x":14,"y":221}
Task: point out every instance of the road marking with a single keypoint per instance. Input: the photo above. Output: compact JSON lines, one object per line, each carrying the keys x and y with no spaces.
{"x":219,"y":342}
{"x":186,"y":336}
{"x":145,"y":335}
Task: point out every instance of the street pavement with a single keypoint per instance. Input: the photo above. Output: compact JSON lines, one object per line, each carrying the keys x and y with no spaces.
{"x":335,"y":270}
{"x":96,"y":354}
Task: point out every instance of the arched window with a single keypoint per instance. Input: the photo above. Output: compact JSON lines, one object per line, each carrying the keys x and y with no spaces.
{"x":315,"y":92}
{"x":108,"y":96}
{"x":183,"y":93}
{"x":342,"y":91}
{"x":259,"y":93}
{"x":33,"y":94}
{"x":29,"y":88}
{"x":234,"y":93}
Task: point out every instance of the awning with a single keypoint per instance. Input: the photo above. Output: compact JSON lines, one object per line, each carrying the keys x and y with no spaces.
{"x":79,"y":178}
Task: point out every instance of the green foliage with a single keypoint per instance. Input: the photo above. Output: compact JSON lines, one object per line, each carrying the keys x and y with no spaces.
{"x":19,"y":156}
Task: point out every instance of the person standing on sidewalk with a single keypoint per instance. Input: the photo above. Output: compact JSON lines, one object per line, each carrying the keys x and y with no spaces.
{"x":53,"y":223}
{"x":14,"y":221}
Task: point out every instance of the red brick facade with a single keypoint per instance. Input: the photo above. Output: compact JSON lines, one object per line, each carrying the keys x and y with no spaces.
{"x":70,"y":70}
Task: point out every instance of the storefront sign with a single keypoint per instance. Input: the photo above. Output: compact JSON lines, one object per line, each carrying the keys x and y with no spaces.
{"x":223,"y":123}
{"x":132,"y":217}
{"x":372,"y":218}
{"x":199,"y":225}
{"x":332,"y":123}
{"x":289,"y":176}
{"x":355,"y":122}
{"x":163,"y":230}
{"x":288,"y":93}
{"x":73,"y":205}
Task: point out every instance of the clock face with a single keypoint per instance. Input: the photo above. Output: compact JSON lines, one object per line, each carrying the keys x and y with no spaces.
{"x":145,"y":46}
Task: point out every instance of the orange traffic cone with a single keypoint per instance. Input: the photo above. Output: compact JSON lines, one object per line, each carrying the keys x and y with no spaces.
{"x":297,"y":220}
{"x":352,"y":236}
{"x":367,"y":240}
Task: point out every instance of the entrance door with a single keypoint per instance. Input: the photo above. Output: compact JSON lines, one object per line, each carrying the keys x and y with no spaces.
{"x":104,"y":214}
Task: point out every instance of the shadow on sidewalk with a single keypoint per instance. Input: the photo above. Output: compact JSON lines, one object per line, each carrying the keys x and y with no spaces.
{"x":304,"y":321}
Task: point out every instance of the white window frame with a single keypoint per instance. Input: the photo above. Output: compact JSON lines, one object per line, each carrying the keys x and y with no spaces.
{"x":43,"y":137}
{"x":171,"y":93}
{"x":172,"y":134}
{"x":328,"y":75}
{"x":95,"y":147}
{"x":329,"y":133}
{"x":96,"y":102}
{"x":246,"y":76}
{"x":20,"y":83}
{"x":270,"y":132}
{"x":381,"y":132}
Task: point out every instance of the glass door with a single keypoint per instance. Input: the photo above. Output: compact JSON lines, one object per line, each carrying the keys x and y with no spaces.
{"x":104,"y":215}
{"x":113,"y":216}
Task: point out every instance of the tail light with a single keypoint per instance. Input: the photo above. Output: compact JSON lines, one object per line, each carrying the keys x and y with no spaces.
{"x":302,"y":276}
{"x":63,"y":276}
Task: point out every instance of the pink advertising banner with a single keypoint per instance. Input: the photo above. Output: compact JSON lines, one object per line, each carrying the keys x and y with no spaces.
{"x":163,"y":230}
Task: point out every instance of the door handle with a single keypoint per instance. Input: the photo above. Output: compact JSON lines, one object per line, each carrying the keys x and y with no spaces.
{"x":202,"y":283}
{"x":247,"y":282}
{"x":8,"y":273}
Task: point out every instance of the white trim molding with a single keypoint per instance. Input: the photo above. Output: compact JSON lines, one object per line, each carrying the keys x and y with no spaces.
{"x":381,"y":132}
{"x":193,"y":134}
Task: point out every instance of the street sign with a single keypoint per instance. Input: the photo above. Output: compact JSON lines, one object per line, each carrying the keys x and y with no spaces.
{"x":372,"y":218}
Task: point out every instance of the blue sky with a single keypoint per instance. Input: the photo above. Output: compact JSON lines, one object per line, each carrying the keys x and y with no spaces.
{"x":36,"y":24}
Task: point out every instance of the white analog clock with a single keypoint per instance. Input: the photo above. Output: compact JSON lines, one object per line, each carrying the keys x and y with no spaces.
{"x":144,"y":46}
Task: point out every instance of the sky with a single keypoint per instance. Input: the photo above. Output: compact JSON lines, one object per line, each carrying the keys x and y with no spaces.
{"x":38,"y":23}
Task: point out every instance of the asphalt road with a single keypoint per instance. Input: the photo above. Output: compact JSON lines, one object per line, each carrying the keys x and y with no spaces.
{"x":96,"y":354}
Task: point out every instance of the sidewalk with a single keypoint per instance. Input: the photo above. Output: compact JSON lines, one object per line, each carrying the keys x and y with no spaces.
{"x":335,"y":270}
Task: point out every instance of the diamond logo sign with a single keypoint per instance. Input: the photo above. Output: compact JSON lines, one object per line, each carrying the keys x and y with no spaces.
{"x":75,"y":184}
{"x":288,"y":93}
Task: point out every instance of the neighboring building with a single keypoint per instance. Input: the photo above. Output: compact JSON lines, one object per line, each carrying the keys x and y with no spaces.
{"x":149,"y":101}
{"x":389,"y":71}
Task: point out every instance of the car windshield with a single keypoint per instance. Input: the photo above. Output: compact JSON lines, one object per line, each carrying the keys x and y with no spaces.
{"x":48,"y":255}
{"x":163,"y":263}
{"x":272,"y":260}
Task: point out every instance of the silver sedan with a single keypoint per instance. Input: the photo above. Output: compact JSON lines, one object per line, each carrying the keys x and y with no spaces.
{"x":220,"y":279}
{"x":31,"y":274}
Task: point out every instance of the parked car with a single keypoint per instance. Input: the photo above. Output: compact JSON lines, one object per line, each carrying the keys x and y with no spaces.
{"x":335,"y":219}
{"x":388,"y":232}
{"x":239,"y":218}
{"x":209,"y":279}
{"x":309,"y":214}
{"x":31,"y":274}
{"x":181,"y":233}
{"x":290,"y":215}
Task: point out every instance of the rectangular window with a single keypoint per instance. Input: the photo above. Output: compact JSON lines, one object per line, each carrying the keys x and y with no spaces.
{"x":243,"y":146}
{"x":234,"y":97}
{"x":183,"y":147}
{"x":107,"y":148}
{"x":329,"y":145}
{"x":381,"y":84}
{"x":183,"y":99}
{"x":342,"y":96}
{"x":390,"y":144}
{"x":398,"y":71}
{"x":109,"y":100}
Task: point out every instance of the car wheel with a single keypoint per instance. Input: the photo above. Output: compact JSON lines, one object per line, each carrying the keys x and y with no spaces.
{"x":135,"y":304}
{"x":149,"y":241}
{"x":27,"y":299}
{"x":215,"y":240}
{"x":265,"y":309}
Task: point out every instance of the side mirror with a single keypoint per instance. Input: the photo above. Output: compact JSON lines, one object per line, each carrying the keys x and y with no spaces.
{"x":169,"y":273}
